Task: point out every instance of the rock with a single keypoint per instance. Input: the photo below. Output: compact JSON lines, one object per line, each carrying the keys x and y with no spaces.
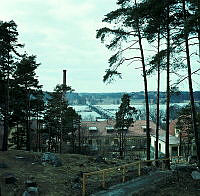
{"x":10,"y":179}
{"x":51,"y":158}
{"x":196,"y":175}
{"x":25,"y":193}
{"x":30,"y":183}
{"x":32,"y":190}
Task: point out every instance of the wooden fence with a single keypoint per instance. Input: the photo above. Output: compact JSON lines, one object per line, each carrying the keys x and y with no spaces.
{"x":121,"y":170}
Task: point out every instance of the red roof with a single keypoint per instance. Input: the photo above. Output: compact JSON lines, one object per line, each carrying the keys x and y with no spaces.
{"x":137,"y":129}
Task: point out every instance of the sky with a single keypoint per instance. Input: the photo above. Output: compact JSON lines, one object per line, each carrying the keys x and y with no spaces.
{"x":62,"y":34}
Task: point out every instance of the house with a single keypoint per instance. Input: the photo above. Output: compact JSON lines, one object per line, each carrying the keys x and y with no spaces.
{"x":174,"y":144}
{"x":102,"y":135}
{"x":187,"y":143}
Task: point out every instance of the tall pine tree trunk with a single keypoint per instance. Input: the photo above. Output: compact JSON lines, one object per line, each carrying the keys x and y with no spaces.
{"x":146,"y":99}
{"x":158,"y":102}
{"x":146,"y":92}
{"x":168,"y":90}
{"x":18,"y":147}
{"x":193,"y":110}
{"x":28,"y":141}
{"x":7,"y":102}
{"x":198,"y":23}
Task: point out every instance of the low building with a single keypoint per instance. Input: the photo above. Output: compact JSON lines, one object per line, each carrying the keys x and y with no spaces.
{"x":174,"y":145}
{"x":102,"y":136}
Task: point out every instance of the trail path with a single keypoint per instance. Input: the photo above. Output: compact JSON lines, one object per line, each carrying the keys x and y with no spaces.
{"x":144,"y":184}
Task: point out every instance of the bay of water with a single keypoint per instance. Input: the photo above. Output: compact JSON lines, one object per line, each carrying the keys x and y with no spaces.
{"x":87,"y":114}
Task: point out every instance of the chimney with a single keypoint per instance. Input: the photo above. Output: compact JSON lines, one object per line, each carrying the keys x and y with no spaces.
{"x":64,"y":77}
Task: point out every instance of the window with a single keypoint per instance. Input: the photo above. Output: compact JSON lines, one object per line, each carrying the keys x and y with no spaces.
{"x":110,"y":129}
{"x":93,"y":129}
{"x":160,"y":147}
{"x":174,"y":150}
{"x":90,"y":142}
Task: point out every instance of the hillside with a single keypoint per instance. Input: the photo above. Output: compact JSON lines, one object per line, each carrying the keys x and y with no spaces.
{"x":51,"y":181}
{"x":136,"y":97}
{"x":19,"y":168}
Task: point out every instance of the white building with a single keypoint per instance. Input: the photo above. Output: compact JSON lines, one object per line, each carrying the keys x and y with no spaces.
{"x":173,"y":144}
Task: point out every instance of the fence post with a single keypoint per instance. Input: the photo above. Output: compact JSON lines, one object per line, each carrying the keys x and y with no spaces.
{"x":84,"y":185}
{"x":139,"y":168}
{"x":103,"y":179}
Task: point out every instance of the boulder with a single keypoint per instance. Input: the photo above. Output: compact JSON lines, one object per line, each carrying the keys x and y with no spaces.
{"x":9,"y":178}
{"x":196,"y":175}
{"x":33,"y":190}
{"x":30,"y":183}
{"x":25,"y":193}
{"x":51,"y":158}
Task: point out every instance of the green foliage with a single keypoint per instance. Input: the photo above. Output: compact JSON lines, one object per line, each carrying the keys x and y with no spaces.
{"x":24,"y":74}
{"x":124,"y":117}
{"x":109,"y":75}
{"x":58,"y":115}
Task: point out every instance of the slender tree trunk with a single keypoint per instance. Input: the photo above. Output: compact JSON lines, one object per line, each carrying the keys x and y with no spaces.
{"x":198,"y":22}
{"x":28,"y":147}
{"x":158,"y":103}
{"x":146,"y":94}
{"x":18,"y":136}
{"x":168,"y":90}
{"x":145,"y":90}
{"x":79,"y":138}
{"x":37,"y":131}
{"x":7,"y":101}
{"x":193,"y":110}
{"x":39,"y":139}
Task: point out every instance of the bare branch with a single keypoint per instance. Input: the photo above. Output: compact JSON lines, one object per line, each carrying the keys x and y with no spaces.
{"x":176,"y":84}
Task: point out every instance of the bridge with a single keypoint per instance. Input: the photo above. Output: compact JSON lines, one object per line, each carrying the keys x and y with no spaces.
{"x":106,"y":114}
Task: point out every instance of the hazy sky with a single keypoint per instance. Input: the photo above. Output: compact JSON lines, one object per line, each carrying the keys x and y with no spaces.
{"x":61,"y":33}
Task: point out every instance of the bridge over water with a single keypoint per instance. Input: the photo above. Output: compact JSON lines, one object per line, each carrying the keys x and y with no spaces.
{"x":106,"y":114}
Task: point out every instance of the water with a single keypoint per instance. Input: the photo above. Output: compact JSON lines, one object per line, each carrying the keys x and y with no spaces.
{"x":89,"y":115}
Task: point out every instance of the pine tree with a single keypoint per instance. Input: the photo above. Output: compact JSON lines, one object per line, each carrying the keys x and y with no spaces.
{"x":55,"y":111}
{"x":124,"y":119}
{"x":25,"y":77}
{"x":126,"y":36}
{"x":9,"y":44}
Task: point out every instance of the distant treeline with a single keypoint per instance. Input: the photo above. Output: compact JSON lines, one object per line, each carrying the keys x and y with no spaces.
{"x":136,"y":97}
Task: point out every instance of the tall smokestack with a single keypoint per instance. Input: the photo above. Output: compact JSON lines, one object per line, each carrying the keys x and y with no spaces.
{"x":64,"y":77}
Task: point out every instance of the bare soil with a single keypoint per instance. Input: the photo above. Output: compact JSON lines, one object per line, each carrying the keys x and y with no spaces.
{"x":66,"y":179}
{"x":52,"y":181}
